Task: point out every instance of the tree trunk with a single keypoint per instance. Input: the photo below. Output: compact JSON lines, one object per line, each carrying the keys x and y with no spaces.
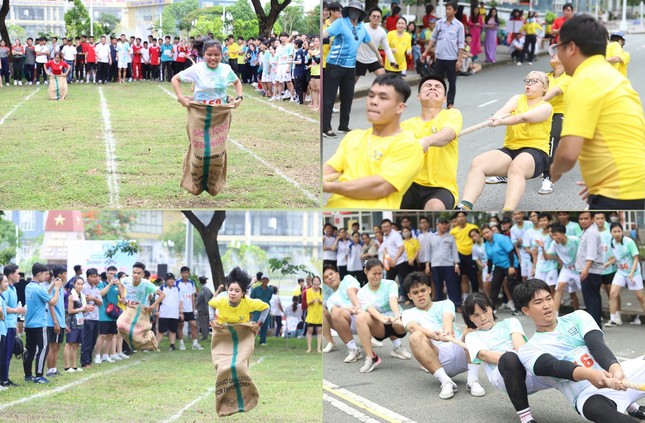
{"x":209,"y":237}
{"x":265,"y":21}
{"x":370,"y":4}
{"x":4,"y":32}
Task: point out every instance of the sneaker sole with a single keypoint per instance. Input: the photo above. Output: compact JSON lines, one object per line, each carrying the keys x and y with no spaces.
{"x":400,"y":357}
{"x":372,"y":367}
{"x":475,"y":394}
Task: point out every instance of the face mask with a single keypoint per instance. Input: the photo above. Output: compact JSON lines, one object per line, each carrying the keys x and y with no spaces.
{"x":613,"y":219}
{"x":354,"y":14}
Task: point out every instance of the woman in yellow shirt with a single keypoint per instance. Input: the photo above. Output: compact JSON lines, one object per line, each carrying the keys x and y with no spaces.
{"x":412,"y":247}
{"x":526,"y":145}
{"x":400,"y":42}
{"x":314,"y":313}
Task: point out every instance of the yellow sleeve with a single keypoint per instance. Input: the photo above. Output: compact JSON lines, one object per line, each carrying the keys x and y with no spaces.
{"x":582,"y":107}
{"x":215,"y":302}
{"x":253,"y":304}
{"x":402,"y":161}
{"x":337,"y":161}
{"x":454,"y":120}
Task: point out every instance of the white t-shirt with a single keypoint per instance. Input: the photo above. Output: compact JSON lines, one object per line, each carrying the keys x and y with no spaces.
{"x":342,"y":252}
{"x":567,"y":252}
{"x":42,"y":49}
{"x":424,"y":242}
{"x":69,"y":52}
{"x":392,"y":243}
{"x":275,"y":309}
{"x":380,"y":298}
{"x":102,"y":52}
{"x":284,"y":54}
{"x":431,"y":319}
{"x":210,"y":84}
{"x":354,"y":262}
{"x":186,"y":290}
{"x":518,"y":233}
{"x":145,"y":55}
{"x":328,"y":242}
{"x":340,"y":297}
{"x":169,"y":307}
{"x":365,"y":55}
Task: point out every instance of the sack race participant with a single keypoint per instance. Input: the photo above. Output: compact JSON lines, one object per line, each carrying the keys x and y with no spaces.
{"x":209,"y":119}
{"x":233,"y":343}
{"x":57,"y":70}
{"x":134,"y":323}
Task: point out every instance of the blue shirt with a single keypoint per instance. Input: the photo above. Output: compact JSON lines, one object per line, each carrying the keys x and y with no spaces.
{"x":36,"y":298}
{"x":299,"y":69}
{"x":345,"y":45}
{"x":59,"y":309}
{"x":11,"y":299}
{"x":111,"y":297}
{"x":262,"y":293}
{"x":3,"y":323}
{"x":166,"y":52}
{"x":498,"y":250}
{"x":449,"y":38}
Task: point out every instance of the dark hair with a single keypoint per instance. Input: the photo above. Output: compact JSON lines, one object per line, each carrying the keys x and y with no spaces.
{"x":335,"y":6}
{"x":275,"y":290}
{"x":10,"y":269}
{"x":329,"y":267}
{"x":373,"y":262}
{"x":91,"y":271}
{"x":545,"y":216}
{"x":401,"y":18}
{"x":399,"y":84}
{"x":295,"y":300}
{"x":595,"y":213}
{"x":375,"y":9}
{"x":120,"y":275}
{"x":38,"y":268}
{"x":77,"y":278}
{"x":239,"y":277}
{"x":146,"y":274}
{"x":454,"y":216}
{"x":586,"y":33}
{"x":77,"y":267}
{"x":474,"y":230}
{"x":567,"y":6}
{"x":59,"y":270}
{"x":453,"y":4}
{"x":139,"y":265}
{"x":614,"y":225}
{"x":489,"y":15}
{"x":386,"y":221}
{"x":525,"y":291}
{"x":184,"y":269}
{"x":480,"y":299}
{"x":210,"y":44}
{"x":415,"y":278}
{"x":170,"y":276}
{"x":429,"y":9}
{"x":111,"y":268}
{"x":556,"y":227}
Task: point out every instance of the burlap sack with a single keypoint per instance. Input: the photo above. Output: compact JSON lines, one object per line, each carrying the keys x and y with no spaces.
{"x":134,"y":324}
{"x":204,"y":166}
{"x":231,"y":350}
{"x":57,"y":87}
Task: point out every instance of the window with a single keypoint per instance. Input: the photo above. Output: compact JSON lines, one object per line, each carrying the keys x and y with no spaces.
{"x":149,"y":221}
{"x":27,"y":220}
{"x":234,"y":223}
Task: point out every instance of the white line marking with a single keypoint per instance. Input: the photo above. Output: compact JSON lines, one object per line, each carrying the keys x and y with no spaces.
{"x":488,"y":103}
{"x":66,"y":387}
{"x":348,"y":410}
{"x":111,"y":175}
{"x":367,"y":403}
{"x":14,"y":108}
{"x":190,"y":404}
{"x":282,"y":109}
{"x":263,"y":161}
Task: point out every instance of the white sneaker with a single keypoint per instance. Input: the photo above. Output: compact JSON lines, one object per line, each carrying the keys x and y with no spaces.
{"x":511,"y":305}
{"x":329,"y":347}
{"x":636,"y":321}
{"x":504,"y":306}
{"x":448,"y":390}
{"x":376,"y":343}
{"x":286,"y":95}
{"x":496,"y":180}
{"x":182,"y":347}
{"x":371,"y":363}
{"x":401,"y":353}
{"x":335,"y":110}
{"x":519,"y":63}
{"x":30,"y":83}
{"x":20,"y":83}
{"x":37,"y":82}
{"x":123,"y":355}
{"x":97,"y":359}
{"x":15,"y":82}
{"x":476,"y":390}
{"x":272,"y":99}
{"x":70,"y":370}
{"x":115,"y":357}
{"x":197,"y":347}
{"x":619,"y":321}
{"x":353,"y":355}
{"x":78,"y":369}
{"x":46,"y":82}
{"x":107,"y":358}
{"x":547,"y":186}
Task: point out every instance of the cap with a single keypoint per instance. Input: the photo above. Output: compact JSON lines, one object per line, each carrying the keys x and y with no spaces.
{"x":355,"y":4}
{"x":203,"y":279}
{"x":506,"y":220}
{"x":443,"y":220}
{"x":619,"y":34}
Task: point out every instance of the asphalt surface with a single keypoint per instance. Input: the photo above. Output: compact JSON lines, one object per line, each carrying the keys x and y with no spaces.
{"x":403,"y":388}
{"x":478,"y":97}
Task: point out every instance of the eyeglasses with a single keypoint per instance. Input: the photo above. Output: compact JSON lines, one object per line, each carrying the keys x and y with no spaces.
{"x":553,"y":49}
{"x":531,"y":81}
{"x":354,"y":33}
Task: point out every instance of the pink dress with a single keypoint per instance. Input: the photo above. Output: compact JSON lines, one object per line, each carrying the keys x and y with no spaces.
{"x":475,"y":29}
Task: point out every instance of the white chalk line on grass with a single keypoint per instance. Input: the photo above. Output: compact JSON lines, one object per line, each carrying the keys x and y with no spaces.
{"x":488,"y":103}
{"x":282,"y":109}
{"x":263,"y":161}
{"x":14,"y":108}
{"x":111,"y":175}
{"x":66,"y":387}
{"x":208,"y":392}
{"x":352,"y":412}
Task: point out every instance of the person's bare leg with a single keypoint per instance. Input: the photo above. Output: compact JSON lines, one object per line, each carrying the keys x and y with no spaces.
{"x":521,"y":168}
{"x":310,"y":332}
{"x":327,"y":325}
{"x":366,"y":327}
{"x":559,"y":292}
{"x":434,"y":204}
{"x":426,"y":353}
{"x":342,"y":322}
{"x":491,"y":163}
{"x":575,"y":303}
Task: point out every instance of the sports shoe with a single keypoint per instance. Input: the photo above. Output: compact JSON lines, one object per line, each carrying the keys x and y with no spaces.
{"x":636,"y":321}
{"x":286,"y":95}
{"x":329,"y":134}
{"x":462,"y":207}
{"x":293,"y":100}
{"x":115,"y":357}
{"x":20,"y":83}
{"x":97,"y":359}
{"x":197,"y":347}
{"x":182,"y":347}
{"x":353,"y":355}
{"x":335,"y":110}
{"x":504,"y":306}
{"x":344,"y":130}
{"x":3,"y":388}
{"x":639,"y":414}
{"x":475,"y":388}
{"x":70,"y":370}
{"x":80,"y":369}
{"x":172,"y":348}
{"x":448,"y":390}
{"x":547,"y":187}
{"x":30,"y":83}
{"x":519,"y":63}
{"x":107,"y":358}
{"x":15,"y":82}
{"x":37,"y":82}
{"x":370,"y":363}
{"x":46,"y":82}
{"x":496,"y":180}
{"x":54,"y":373}
{"x":510,"y":304}
{"x":41,"y":380}
{"x":376,"y":343}
{"x":29,"y":378}
{"x":272,"y":99}
{"x":8,"y":383}
{"x":619,"y":321}
{"x":329,"y":347}
{"x":610,"y":324}
{"x":401,"y":353}
{"x":123,"y":356}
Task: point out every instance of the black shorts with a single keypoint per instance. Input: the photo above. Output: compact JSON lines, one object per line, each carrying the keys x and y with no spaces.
{"x":416,"y":197}
{"x":599,"y":202}
{"x":608,"y":278}
{"x":389,"y":331}
{"x":315,"y":76}
{"x":311,"y":325}
{"x":107,"y":328}
{"x":362,"y":68}
{"x":540,"y":158}
{"x":90,"y":67}
{"x":189,"y":316}
{"x":168,"y":325}
{"x":53,"y":338}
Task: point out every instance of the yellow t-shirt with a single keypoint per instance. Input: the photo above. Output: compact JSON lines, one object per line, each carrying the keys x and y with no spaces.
{"x":401,"y":44}
{"x":411,"y":246}
{"x":440,"y":163}
{"x":325,"y":47}
{"x":314,"y":311}
{"x":602,"y":107}
{"x":233,"y":51}
{"x":464,"y":243}
{"x":315,"y":67}
{"x":396,"y":158}
{"x":534,"y":135}
{"x":562,"y":82}
{"x":615,"y":49}
{"x":239,"y":314}
{"x":531,"y":28}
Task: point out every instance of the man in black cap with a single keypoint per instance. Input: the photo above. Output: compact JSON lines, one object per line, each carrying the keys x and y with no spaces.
{"x":340,"y":71}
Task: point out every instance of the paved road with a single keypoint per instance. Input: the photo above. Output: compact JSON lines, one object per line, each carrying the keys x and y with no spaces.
{"x":477,"y":98}
{"x":403,"y":388}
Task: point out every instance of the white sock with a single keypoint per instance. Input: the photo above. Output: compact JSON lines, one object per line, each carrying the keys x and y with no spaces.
{"x":612,"y":317}
{"x":632,"y":408}
{"x":618,"y":314}
{"x":181,"y":341}
{"x":195,"y":342}
{"x":442,"y":376}
{"x":351,"y":345}
{"x":396,"y":343}
{"x":525,"y":415}
{"x":473,"y":373}
{"x":97,"y":356}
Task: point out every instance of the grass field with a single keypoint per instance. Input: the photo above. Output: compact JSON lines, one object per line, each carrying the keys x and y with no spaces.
{"x":156,"y":387}
{"x":55,"y":153}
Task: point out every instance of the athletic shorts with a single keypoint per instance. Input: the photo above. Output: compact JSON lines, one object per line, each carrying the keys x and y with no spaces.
{"x":363,"y":68}
{"x":540,"y":158}
{"x":389,"y":331}
{"x":123,"y":64}
{"x":634,"y":370}
{"x":416,"y":197}
{"x":571,"y":278}
{"x":90,"y":67}
{"x":314,"y":325}
{"x":189,"y":316}
{"x":352,"y":324}
{"x":526,"y":265}
{"x":266,"y":77}
{"x":452,"y":358}
{"x":608,"y":278}
{"x":168,"y":325}
{"x":533,"y":383}
{"x":107,"y":328}
{"x":550,"y":277}
{"x":75,"y":336}
{"x":53,"y":338}
{"x":634,"y":285}
{"x":283,"y":74}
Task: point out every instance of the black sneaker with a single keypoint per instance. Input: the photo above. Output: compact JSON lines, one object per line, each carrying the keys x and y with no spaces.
{"x":329,"y":134}
{"x":344,"y":130}
{"x":462,"y":207}
{"x":172,"y":348}
{"x":639,"y":414}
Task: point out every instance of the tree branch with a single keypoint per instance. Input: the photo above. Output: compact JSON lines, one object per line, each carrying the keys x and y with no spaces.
{"x":194,"y":220}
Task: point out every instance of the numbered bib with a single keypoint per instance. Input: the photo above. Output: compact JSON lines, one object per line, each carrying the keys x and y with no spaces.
{"x":582,"y":357}
{"x":80,"y":319}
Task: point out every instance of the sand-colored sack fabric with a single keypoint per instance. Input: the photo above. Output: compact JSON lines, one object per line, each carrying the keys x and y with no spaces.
{"x":57,"y":87}
{"x":134,"y":324}
{"x":205,"y":161}
{"x":231,"y":350}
